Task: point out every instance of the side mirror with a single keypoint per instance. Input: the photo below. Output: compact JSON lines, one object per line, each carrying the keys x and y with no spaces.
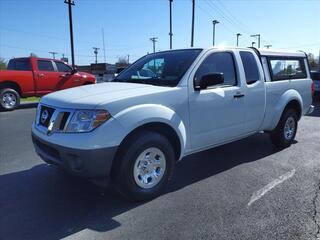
{"x":74,"y":70}
{"x":210,"y":80}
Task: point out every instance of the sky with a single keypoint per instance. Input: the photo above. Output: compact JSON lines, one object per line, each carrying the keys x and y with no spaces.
{"x":41,"y":26}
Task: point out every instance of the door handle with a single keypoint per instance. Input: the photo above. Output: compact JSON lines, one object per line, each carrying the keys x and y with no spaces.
{"x":238,"y":95}
{"x":40,"y":75}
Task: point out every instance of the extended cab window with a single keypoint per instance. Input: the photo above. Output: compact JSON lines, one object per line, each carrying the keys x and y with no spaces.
{"x":44,"y":65}
{"x":20,"y":64}
{"x":221,"y":62}
{"x":282,"y":69}
{"x":63,"y":67}
{"x":250,"y":67}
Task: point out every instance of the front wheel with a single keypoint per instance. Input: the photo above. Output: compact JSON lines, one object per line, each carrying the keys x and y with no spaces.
{"x":9,"y":99}
{"x":283,"y":135}
{"x":145,"y":166}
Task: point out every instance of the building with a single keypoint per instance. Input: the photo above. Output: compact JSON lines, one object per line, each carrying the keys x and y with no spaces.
{"x":104,"y":72}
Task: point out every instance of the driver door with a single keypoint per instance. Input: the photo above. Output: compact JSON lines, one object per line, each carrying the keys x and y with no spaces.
{"x":217,"y":113}
{"x":66,"y":78}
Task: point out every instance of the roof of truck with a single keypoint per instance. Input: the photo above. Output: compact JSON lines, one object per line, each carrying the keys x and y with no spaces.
{"x":284,"y":53}
{"x":267,"y":52}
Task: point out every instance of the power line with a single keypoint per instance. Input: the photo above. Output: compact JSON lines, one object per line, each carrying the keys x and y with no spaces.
{"x":212,"y":16}
{"x":237,"y":20}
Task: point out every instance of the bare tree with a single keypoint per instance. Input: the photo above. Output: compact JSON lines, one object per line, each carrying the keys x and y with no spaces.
{"x":3,"y":64}
{"x":313,"y":61}
{"x":122,"y":62}
{"x":33,"y":55}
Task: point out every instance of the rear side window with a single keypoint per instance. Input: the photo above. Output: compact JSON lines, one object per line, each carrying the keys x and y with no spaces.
{"x":250,"y":67}
{"x":287,"y":68}
{"x":63,"y":67}
{"x":21,"y":64}
{"x":221,"y":62}
{"x":44,"y":65}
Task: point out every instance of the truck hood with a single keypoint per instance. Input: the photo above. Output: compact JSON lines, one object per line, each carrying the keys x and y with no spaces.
{"x":95,"y":95}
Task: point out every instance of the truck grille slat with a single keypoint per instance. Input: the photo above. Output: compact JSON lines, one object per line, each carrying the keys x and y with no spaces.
{"x":52,"y":119}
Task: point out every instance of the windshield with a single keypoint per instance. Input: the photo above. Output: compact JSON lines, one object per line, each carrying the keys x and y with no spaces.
{"x":163,"y":68}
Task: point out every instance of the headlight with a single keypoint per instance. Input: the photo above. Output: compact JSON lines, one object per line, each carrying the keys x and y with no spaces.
{"x":87,"y":120}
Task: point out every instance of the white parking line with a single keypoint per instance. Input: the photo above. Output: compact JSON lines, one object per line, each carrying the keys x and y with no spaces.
{"x":258,"y":194}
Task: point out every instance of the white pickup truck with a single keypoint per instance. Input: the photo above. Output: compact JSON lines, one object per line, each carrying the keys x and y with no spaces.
{"x":134,"y":129}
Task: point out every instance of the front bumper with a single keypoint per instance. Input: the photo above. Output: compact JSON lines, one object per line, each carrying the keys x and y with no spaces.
{"x":91,"y":164}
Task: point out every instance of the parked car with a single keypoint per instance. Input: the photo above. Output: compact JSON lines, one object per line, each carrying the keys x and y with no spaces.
{"x":133,"y":130}
{"x":315,"y":76}
{"x":31,"y":76}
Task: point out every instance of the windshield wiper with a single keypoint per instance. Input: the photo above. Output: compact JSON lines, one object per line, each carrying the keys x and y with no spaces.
{"x":150,"y":81}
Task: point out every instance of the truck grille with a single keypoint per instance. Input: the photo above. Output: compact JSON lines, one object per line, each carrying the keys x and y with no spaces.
{"x":45,"y":116}
{"x":52,"y":119}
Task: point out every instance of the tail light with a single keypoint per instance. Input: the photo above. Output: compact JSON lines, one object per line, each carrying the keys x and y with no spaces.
{"x":312,"y":88}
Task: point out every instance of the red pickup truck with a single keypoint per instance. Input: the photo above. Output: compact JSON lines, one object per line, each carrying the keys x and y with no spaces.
{"x":31,"y":76}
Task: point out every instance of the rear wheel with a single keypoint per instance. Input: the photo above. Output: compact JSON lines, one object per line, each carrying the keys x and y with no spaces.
{"x":283,"y":135}
{"x":145,"y":166}
{"x":9,"y":99}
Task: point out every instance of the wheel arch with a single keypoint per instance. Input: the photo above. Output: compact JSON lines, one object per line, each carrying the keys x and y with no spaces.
{"x":87,"y":83}
{"x":11,"y":84}
{"x":160,"y":128}
{"x":290,"y":99}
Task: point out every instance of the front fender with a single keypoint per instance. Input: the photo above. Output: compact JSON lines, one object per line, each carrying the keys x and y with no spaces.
{"x":285,"y":98}
{"x":136,"y":116}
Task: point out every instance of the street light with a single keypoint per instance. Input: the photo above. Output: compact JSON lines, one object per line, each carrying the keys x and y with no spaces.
{"x":257,"y":36}
{"x":268,"y":46}
{"x":252,"y":44}
{"x":238,"y":35}
{"x":154,"y":40}
{"x":214,"y":22}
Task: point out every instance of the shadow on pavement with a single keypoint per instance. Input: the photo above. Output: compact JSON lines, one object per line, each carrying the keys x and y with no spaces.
{"x":28,"y":105}
{"x":45,"y":203}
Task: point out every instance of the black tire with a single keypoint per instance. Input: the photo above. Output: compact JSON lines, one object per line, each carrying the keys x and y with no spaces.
{"x":278,"y":135}
{"x":122,"y":173}
{"x":9,"y":92}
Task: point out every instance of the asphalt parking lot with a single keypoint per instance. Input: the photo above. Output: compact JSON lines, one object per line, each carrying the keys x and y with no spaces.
{"x":243,"y":190}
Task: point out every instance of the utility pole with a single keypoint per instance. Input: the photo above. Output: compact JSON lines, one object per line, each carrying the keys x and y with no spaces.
{"x":170,"y":33}
{"x":128,"y":58}
{"x":268,"y":46}
{"x":238,"y":35}
{"x":214,"y":22}
{"x":252,"y":44}
{"x":192,"y":24}
{"x":70,"y":4}
{"x":257,"y":36}
{"x":154,"y":40}
{"x":96,"y":53}
{"x":53,"y":54}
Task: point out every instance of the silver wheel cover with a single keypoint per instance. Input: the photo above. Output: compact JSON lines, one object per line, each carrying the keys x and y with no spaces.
{"x":149,"y":168}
